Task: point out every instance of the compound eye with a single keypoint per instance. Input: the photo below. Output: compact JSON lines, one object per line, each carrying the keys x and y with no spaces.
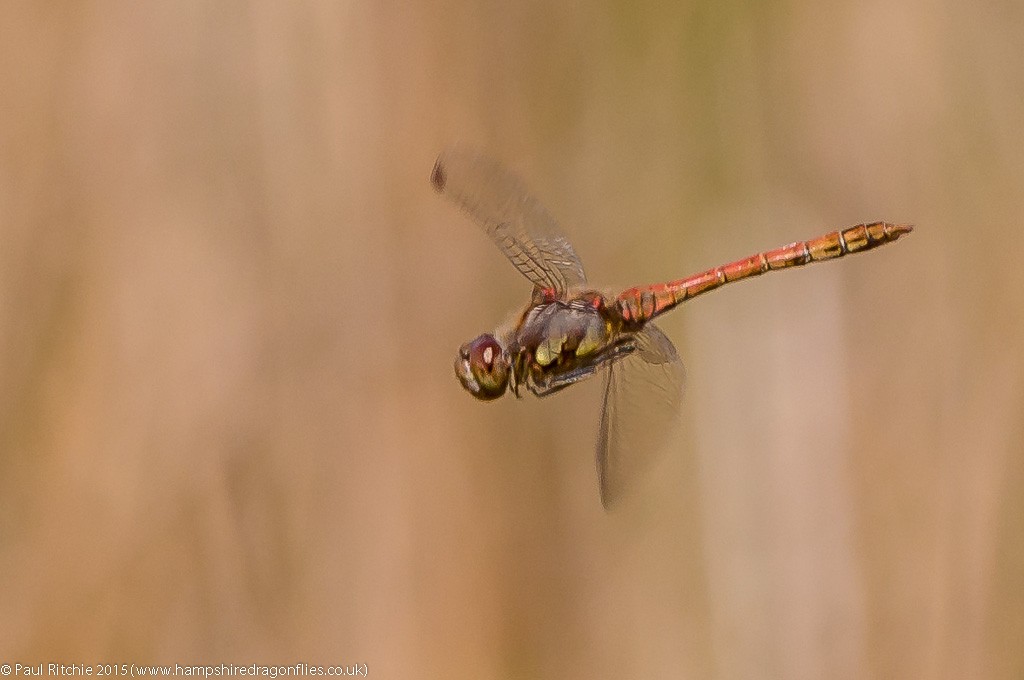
{"x":484,"y":352}
{"x":483,"y":367}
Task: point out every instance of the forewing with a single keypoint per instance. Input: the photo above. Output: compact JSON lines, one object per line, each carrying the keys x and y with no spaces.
{"x":642,"y":396}
{"x":522,"y":228}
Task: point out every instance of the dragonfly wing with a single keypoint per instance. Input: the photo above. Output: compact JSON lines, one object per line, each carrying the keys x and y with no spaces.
{"x":642,"y":395}
{"x":522,"y":228}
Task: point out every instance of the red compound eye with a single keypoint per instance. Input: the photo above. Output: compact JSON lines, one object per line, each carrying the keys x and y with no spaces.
{"x":483,"y":367}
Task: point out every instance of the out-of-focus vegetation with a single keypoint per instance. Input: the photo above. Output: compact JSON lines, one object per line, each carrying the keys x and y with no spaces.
{"x":230,"y":301}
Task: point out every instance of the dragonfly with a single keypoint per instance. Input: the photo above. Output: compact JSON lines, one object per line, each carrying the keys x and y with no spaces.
{"x":570,"y":331}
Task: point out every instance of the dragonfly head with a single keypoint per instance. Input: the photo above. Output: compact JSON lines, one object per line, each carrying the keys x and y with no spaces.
{"x":483,"y":367}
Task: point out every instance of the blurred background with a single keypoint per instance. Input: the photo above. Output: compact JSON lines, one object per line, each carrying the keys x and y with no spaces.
{"x":230,"y":302}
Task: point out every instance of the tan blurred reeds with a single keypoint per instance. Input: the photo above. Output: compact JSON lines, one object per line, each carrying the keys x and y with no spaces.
{"x":229,"y":302}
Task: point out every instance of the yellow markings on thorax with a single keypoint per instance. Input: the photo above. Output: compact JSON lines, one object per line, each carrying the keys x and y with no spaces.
{"x":595,"y":332}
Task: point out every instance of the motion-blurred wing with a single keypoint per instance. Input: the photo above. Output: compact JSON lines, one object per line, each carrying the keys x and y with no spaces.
{"x":522,"y":228}
{"x":641,"y":403}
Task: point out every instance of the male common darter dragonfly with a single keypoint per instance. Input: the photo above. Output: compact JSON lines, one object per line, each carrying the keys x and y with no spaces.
{"x":569,"y":331}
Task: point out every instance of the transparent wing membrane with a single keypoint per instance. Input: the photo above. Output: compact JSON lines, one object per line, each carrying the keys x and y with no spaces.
{"x":641,"y":404}
{"x":499,"y":202}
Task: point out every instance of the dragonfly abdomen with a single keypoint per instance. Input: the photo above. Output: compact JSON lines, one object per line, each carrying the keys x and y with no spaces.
{"x":643,"y":303}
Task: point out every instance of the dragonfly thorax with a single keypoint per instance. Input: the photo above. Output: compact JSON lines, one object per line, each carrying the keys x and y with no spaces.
{"x":557,"y":339}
